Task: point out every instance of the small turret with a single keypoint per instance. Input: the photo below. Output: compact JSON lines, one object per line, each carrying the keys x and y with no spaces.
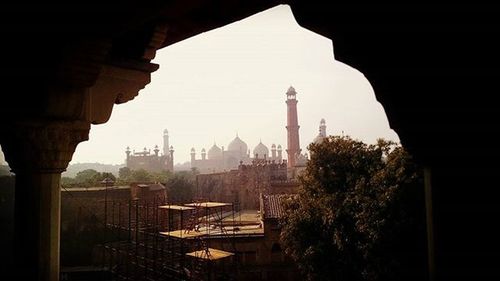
{"x":280,"y":151}
{"x":156,"y":150}
{"x":193,"y":155}
{"x":203,"y":154}
{"x":127,"y":151}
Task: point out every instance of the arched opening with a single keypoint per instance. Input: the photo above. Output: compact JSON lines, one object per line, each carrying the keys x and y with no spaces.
{"x":234,"y":81}
{"x":419,"y":54}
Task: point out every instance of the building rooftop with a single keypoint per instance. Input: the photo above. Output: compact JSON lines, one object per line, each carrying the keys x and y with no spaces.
{"x":272,"y":205}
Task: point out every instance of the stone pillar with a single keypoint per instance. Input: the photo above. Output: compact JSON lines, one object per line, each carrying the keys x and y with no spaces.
{"x":37,"y":153}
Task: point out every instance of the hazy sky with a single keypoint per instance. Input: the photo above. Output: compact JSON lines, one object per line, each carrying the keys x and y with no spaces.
{"x":233,"y":80}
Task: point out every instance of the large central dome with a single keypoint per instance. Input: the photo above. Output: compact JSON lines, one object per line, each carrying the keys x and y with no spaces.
{"x":237,"y":145}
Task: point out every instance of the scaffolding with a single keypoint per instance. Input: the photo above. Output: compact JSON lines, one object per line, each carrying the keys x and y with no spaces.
{"x":155,"y":240}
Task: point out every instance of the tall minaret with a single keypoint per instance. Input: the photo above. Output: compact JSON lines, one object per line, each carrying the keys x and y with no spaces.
{"x":166,"y":147}
{"x":293,"y":149}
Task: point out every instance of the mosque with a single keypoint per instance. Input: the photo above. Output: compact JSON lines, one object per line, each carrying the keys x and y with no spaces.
{"x":218,"y":159}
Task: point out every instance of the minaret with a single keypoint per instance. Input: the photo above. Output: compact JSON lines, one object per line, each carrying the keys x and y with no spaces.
{"x":165,"y":143}
{"x":293,"y":149}
{"x":322,"y":128}
{"x":171,"y":160}
{"x":193,"y":156}
{"x":127,"y":151}
{"x":273,"y":151}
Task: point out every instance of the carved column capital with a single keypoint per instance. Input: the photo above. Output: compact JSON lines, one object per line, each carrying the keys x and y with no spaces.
{"x":42,"y":146}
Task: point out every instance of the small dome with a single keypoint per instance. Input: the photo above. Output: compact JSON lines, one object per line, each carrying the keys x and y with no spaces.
{"x":192,"y":150}
{"x":171,"y":147}
{"x":261,"y":150}
{"x":279,"y":146}
{"x":165,"y":132}
{"x":291,"y":91}
{"x":237,"y":145}
{"x":214,"y":152}
{"x":322,"y":122}
{"x":273,"y":146}
{"x":203,"y":150}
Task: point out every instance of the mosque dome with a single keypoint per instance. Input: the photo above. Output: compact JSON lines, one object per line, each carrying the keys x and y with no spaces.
{"x":318,"y":139}
{"x":237,"y":145}
{"x":322,"y":132}
{"x":261,"y":150}
{"x":214,"y":152}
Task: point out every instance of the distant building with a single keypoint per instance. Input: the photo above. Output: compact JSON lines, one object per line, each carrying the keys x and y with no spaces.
{"x":243,"y":186}
{"x":152,"y":162}
{"x":218,"y":160}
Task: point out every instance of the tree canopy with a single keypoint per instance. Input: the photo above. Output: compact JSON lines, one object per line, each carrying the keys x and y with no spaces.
{"x":359,"y":214}
{"x":86,"y":178}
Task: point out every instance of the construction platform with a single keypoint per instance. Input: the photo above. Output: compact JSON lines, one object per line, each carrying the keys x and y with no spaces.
{"x":176,"y":207}
{"x":213,"y":254}
{"x":182,"y":233}
{"x":208,"y":204}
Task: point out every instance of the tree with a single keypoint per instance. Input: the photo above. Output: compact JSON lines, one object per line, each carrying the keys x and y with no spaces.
{"x":67,"y":182}
{"x":181,"y":187}
{"x":140,"y":175}
{"x":106,"y":175}
{"x":358,"y":215}
{"x":161,"y":176}
{"x":86,"y":178}
{"x":124,"y":173}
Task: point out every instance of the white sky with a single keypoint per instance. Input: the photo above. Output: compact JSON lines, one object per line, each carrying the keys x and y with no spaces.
{"x":233,"y":80}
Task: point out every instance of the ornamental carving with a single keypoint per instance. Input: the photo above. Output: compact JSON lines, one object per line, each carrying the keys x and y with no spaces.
{"x":42,"y":146}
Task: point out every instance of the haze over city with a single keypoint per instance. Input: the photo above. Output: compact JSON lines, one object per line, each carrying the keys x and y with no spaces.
{"x":233,"y":80}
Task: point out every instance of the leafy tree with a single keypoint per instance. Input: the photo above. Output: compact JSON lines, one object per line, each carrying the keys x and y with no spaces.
{"x":124,"y":173}
{"x":67,"y":181}
{"x":140,"y":175}
{"x":181,"y":187}
{"x":162,"y":176}
{"x":105,"y":175}
{"x":87,"y":176}
{"x":358,"y":215}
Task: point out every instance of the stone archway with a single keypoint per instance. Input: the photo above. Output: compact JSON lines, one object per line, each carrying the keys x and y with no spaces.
{"x":63,"y":71}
